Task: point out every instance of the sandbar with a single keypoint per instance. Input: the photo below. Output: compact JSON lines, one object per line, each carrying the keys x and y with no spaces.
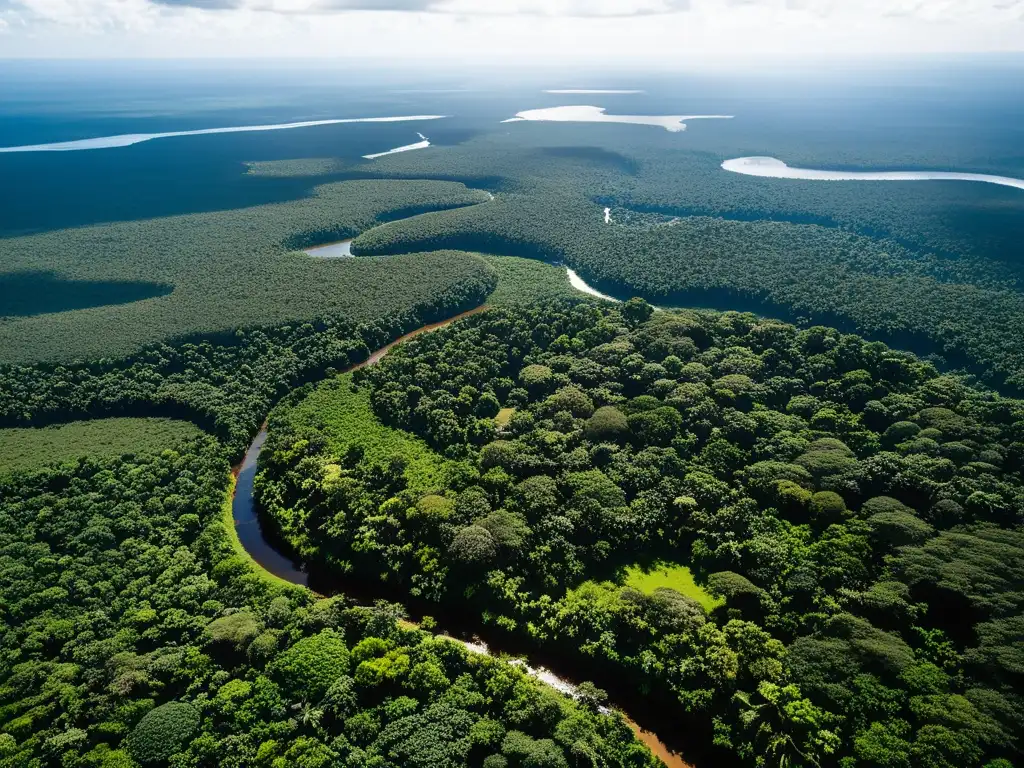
{"x":407,"y":148}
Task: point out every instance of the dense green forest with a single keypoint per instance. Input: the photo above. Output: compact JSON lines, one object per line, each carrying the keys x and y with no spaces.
{"x":227,"y":383}
{"x":210,"y":273}
{"x":682,"y":175}
{"x":23,"y":450}
{"x":805,"y":545}
{"x":790,"y":545}
{"x":134,"y":635}
{"x":929,"y":266}
{"x":775,"y":268}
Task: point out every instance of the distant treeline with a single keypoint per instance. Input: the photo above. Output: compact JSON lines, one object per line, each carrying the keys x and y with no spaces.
{"x":208,"y":273}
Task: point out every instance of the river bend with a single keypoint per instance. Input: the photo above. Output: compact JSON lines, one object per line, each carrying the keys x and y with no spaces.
{"x":265,"y":554}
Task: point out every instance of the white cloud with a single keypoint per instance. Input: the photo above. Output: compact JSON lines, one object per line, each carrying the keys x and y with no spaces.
{"x":468,"y":8}
{"x":666,"y":32}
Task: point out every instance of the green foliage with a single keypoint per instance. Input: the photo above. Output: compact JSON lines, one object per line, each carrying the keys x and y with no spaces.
{"x":312,"y":665}
{"x":226,"y":384}
{"x":750,"y":455}
{"x":24,"y":450}
{"x":790,"y":250}
{"x":122,"y":644}
{"x":474,"y":545}
{"x":525,"y":281}
{"x":236,"y":629}
{"x":607,"y":424}
{"x":344,"y":412}
{"x":163,"y":732}
{"x":648,"y":579}
{"x":228,"y":270}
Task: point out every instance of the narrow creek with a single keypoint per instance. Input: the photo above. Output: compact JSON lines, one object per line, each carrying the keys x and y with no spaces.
{"x":263,"y":550}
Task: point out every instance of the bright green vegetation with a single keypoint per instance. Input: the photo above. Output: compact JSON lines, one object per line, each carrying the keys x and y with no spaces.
{"x":343,"y":413}
{"x":522,"y":281}
{"x":227,"y":383}
{"x":132,"y":635}
{"x":504,"y":416}
{"x":221,"y":271}
{"x":23,"y":450}
{"x":650,"y":578}
{"x":856,"y":514}
{"x":229,"y":533}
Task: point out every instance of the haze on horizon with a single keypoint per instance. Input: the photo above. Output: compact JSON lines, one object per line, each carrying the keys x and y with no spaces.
{"x":623,"y":32}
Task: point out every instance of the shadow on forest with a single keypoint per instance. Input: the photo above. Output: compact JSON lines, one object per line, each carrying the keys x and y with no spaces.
{"x":595,"y":155}
{"x":38,"y":292}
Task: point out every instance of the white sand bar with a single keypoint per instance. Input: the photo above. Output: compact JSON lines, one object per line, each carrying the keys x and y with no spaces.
{"x":597,"y":115}
{"x":126,"y":140}
{"x":590,"y":90}
{"x":340,"y":250}
{"x":771,"y":167}
{"x":577,"y":282}
{"x":407,"y":148}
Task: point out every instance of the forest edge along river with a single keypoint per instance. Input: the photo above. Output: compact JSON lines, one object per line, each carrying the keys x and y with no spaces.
{"x":264,"y":553}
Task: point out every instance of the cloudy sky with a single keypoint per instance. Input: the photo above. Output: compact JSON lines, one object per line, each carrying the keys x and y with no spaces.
{"x":531,"y":31}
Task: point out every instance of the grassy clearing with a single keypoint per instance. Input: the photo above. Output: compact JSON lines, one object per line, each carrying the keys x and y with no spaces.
{"x":647,"y":578}
{"x":345,"y":417}
{"x":504,"y":417}
{"x":25,"y":450}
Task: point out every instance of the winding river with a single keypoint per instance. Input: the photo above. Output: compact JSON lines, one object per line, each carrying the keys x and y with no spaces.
{"x":774,"y":168}
{"x":342,"y":249}
{"x":265,"y":554}
{"x":128,"y":139}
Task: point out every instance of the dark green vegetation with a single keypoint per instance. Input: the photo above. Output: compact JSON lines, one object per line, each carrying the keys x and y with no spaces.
{"x":35,"y":293}
{"x":929,"y":266}
{"x":522,"y":281}
{"x":227,"y":383}
{"x":219,"y":271}
{"x":799,"y":548}
{"x":24,"y":450}
{"x":858,"y":513}
{"x":132,"y":635}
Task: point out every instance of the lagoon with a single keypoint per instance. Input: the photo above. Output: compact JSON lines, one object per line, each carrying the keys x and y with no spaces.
{"x":776,"y":169}
{"x":589,"y":114}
